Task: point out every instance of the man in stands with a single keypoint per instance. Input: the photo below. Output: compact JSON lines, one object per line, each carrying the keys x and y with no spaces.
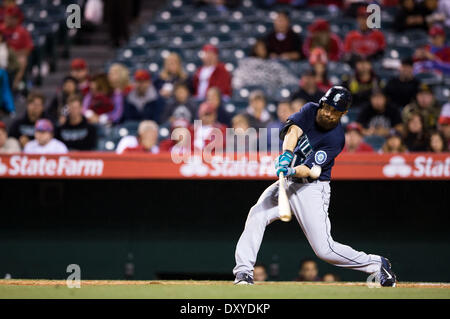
{"x":80,"y":71}
{"x":44,"y":143}
{"x":308,"y":90}
{"x":402,"y":88}
{"x":354,"y":140}
{"x":147,"y":140}
{"x":76,"y":133}
{"x":23,"y":128}
{"x":365,"y":42}
{"x":283,"y":42}
{"x":211,"y":74}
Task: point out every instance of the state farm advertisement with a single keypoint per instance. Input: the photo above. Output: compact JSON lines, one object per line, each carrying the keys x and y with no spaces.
{"x":95,"y":165}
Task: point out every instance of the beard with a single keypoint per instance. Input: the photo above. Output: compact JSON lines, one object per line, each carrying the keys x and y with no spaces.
{"x":325,"y":123}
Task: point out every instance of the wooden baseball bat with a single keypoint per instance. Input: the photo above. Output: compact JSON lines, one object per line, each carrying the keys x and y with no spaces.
{"x":283,"y":202}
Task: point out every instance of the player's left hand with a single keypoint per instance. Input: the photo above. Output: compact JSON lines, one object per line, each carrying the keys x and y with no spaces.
{"x":287,"y":171}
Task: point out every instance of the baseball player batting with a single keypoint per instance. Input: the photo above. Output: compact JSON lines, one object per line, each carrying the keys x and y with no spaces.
{"x":312,"y":137}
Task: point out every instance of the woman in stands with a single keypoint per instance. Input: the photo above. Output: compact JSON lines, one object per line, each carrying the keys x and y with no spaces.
{"x":394,"y":143}
{"x":171,"y":74}
{"x":437,"y":143}
{"x":119,"y":79}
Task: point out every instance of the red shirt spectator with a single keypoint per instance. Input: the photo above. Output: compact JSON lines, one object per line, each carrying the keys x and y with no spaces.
{"x":364,"y":42}
{"x":211,"y":74}
{"x":437,"y":49}
{"x":320,"y":36}
{"x":8,"y":4}
{"x":17,"y":37}
{"x":354,"y":142}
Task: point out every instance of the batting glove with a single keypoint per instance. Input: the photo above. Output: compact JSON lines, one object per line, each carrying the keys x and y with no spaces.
{"x":287,"y":171}
{"x":284,"y":160}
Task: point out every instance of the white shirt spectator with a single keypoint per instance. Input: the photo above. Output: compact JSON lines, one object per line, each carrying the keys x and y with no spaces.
{"x":52,"y":147}
{"x":205,"y":74}
{"x":444,"y":10}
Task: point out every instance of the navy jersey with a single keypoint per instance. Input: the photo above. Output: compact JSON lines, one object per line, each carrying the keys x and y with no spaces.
{"x":316,"y":146}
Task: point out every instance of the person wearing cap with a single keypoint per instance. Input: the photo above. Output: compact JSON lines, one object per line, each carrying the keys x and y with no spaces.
{"x":319,"y":61}
{"x":208,"y":131}
{"x":18,"y":39}
{"x":402,"y":88}
{"x":147,"y":139}
{"x":393,"y":143}
{"x":57,"y":110}
{"x":80,"y":71}
{"x":308,"y":90}
{"x":211,"y":74}
{"x":256,"y":111}
{"x":379,"y":116}
{"x":283,"y":42}
{"x":366,"y":42}
{"x":76,"y":133}
{"x":361,"y":82}
{"x":409,"y":17}
{"x":23,"y":128}
{"x":181,"y":103}
{"x":426,"y":104}
{"x":354,"y":139}
{"x":320,"y":36}
{"x":44,"y":142}
{"x":144,"y":101}
{"x":7,"y":144}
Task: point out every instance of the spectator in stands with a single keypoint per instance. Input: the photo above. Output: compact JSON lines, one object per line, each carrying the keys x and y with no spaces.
{"x":241,"y":129}
{"x":416,"y":139}
{"x":80,"y":71}
{"x":147,"y":140}
{"x":284,"y":110}
{"x":214,"y":98}
{"x":171,"y":74}
{"x":354,"y":139}
{"x":366,"y":42}
{"x":259,"y":50}
{"x":7,"y":4}
{"x":23,"y":128}
{"x":9,"y":62}
{"x":444,"y":12}
{"x":393,"y":143}
{"x":18,"y":39}
{"x":180,"y":103}
{"x":179,"y":141}
{"x":76,"y":133}
{"x":297,"y":104}
{"x":97,"y":104}
{"x":379,"y":116}
{"x":308,"y":90}
{"x":57,"y":109}
{"x":426,"y":104}
{"x":434,"y":56}
{"x":444,"y":126}
{"x":119,"y":79}
{"x":211,"y":74}
{"x":437,"y":143}
{"x":428,"y":8}
{"x":259,"y":272}
{"x":205,"y":134}
{"x":329,"y":277}
{"x":409,"y":17}
{"x":6,"y":98}
{"x":362,"y":82}
{"x":44,"y":142}
{"x":318,"y":60}
{"x":143,"y":102}
{"x":402,"y":88}
{"x":308,"y":271}
{"x":256,"y":112}
{"x":321,"y":37}
{"x":283,"y":42}
{"x":7,"y":144}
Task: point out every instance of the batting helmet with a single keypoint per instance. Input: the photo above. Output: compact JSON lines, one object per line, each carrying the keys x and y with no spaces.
{"x":338,"y":97}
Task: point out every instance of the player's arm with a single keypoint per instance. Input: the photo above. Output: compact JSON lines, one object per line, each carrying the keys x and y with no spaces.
{"x":303,"y":171}
{"x":291,"y":138}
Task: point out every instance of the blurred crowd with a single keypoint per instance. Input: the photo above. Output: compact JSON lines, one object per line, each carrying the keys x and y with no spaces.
{"x":402,"y":112}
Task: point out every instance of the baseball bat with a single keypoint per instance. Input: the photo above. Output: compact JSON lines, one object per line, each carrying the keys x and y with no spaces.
{"x":283,"y":202}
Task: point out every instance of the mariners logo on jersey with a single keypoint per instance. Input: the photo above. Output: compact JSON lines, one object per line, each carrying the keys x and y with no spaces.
{"x":320,"y":157}
{"x":304,"y":148}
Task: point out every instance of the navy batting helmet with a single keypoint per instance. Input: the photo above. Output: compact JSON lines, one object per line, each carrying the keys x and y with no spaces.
{"x":338,"y":97}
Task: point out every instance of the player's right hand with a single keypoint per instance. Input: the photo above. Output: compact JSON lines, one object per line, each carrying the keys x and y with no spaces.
{"x":284,"y":160}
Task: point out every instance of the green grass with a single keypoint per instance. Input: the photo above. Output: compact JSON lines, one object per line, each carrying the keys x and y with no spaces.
{"x":217,"y":290}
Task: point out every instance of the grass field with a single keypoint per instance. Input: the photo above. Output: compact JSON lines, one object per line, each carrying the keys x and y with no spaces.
{"x":215,"y":290}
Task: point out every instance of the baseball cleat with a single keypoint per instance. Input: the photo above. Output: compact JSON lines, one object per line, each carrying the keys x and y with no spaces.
{"x":243,"y":279}
{"x":387,"y":276}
